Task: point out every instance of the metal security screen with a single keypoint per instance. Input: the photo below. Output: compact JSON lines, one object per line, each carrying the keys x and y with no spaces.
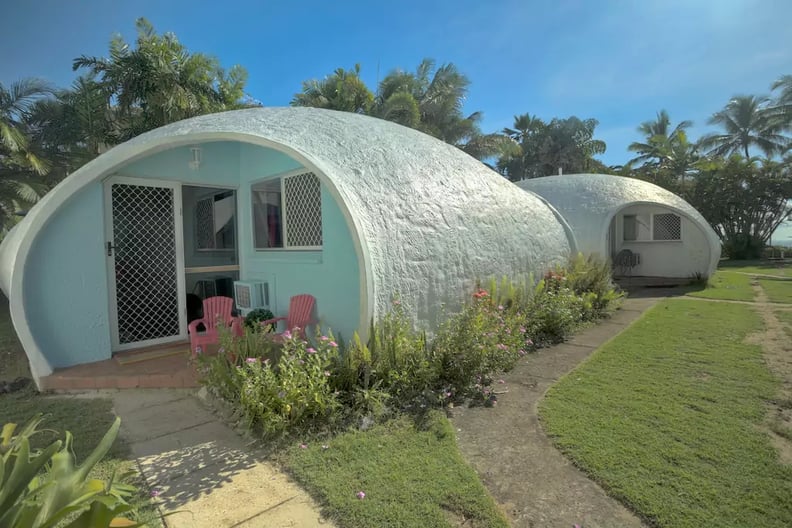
{"x":144,"y":236}
{"x":204,"y":224}
{"x":303,"y":210}
{"x":667,"y":226}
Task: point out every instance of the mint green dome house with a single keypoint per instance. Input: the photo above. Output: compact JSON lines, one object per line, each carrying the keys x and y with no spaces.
{"x":277,"y":201}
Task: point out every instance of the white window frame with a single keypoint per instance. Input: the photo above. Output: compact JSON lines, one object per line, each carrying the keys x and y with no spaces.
{"x":651,"y":238}
{"x":284,"y":225}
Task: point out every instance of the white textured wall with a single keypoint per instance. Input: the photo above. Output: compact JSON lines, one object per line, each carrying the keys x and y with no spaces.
{"x":428,"y":219}
{"x":588,"y":202}
{"x":680,"y":259}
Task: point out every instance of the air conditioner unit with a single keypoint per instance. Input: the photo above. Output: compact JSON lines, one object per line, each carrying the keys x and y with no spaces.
{"x":251,"y":295}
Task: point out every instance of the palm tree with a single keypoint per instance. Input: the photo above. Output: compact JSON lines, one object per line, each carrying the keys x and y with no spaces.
{"x":783,"y":106}
{"x":545,"y":148}
{"x":343,"y":90}
{"x":160,"y":81}
{"x":659,"y":139}
{"x":746,"y":123}
{"x":16,"y":103}
{"x":429,"y":99}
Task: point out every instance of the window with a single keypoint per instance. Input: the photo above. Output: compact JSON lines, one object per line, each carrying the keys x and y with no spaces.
{"x":630,"y":228}
{"x":666,"y":226}
{"x":214,"y":222}
{"x":648,"y":228}
{"x":287,"y":212}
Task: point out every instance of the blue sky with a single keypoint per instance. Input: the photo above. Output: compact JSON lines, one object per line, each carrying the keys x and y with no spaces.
{"x":618,"y":62}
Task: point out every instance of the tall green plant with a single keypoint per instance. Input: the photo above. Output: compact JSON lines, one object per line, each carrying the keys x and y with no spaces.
{"x":47,"y":488}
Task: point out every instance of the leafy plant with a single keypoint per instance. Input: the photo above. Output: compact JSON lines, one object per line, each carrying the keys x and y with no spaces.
{"x":47,"y":488}
{"x":254,"y":318}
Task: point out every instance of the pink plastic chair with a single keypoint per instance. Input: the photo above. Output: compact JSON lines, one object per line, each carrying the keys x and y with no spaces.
{"x":300,"y":314}
{"x":216,"y":312}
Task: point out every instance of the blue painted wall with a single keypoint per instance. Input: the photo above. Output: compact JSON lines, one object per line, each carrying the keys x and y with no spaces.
{"x":66,"y":288}
{"x":65,"y":284}
{"x":331,"y":275}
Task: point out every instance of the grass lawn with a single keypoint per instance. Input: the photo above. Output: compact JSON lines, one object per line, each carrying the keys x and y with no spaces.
{"x":87,"y":419}
{"x":778,"y":291}
{"x":756,"y":266}
{"x":727,"y":286}
{"x":412,"y":475}
{"x":667,"y":417}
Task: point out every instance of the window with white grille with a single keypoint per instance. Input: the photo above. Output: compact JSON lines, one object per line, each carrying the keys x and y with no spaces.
{"x":287,"y":212}
{"x":666,"y":226}
{"x":215,"y":222}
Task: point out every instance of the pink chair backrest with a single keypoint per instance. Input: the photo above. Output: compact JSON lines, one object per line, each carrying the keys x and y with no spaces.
{"x":300,"y":311}
{"x":215,"y":308}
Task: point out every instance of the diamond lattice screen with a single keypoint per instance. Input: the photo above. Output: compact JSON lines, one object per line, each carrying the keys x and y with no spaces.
{"x":147,"y":294}
{"x":204,"y":224}
{"x":667,"y":226}
{"x":303,"y":210}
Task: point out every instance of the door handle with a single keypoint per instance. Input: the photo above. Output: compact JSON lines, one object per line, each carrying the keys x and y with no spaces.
{"x":110,"y":248}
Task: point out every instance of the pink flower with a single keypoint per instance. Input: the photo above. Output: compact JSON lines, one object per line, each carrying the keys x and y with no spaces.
{"x":251,"y":360}
{"x":303,"y":446}
{"x":528,"y":342}
{"x":221,"y":350}
{"x":360,"y":495}
{"x":396,"y":302}
{"x":156,"y":493}
{"x":523,"y":330}
{"x":500,"y":307}
{"x":310,"y":350}
{"x":333,"y":344}
{"x":501,"y":381}
{"x":323,"y":338}
{"x":287,"y":335}
{"x":501,"y":346}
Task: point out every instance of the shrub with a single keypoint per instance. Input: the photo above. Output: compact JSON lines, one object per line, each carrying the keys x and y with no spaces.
{"x":254,"y":318}
{"x":48,"y":488}
{"x":275,"y":389}
{"x":278,"y":388}
{"x":483,"y":338}
{"x":592,"y":278}
{"x":396,"y":365}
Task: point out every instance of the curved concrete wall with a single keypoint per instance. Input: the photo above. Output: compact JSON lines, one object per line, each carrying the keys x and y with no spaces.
{"x":589,"y":202}
{"x":425,"y":220}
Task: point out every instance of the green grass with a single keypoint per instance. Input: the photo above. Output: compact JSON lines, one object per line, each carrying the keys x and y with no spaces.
{"x":412,"y":475}
{"x":727,"y":286}
{"x":756,"y":266}
{"x":87,"y":419}
{"x":667,"y":417}
{"x":778,"y":291}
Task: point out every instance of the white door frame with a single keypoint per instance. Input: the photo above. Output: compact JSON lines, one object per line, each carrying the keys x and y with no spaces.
{"x":116,"y":345}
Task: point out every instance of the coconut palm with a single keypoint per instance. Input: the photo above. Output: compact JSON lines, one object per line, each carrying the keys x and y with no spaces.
{"x":783,"y":103}
{"x":429,"y":99}
{"x":16,"y":104}
{"x":544,"y":148}
{"x":660,"y":139}
{"x":342,"y":90}
{"x":160,"y":81}
{"x":747,"y":123}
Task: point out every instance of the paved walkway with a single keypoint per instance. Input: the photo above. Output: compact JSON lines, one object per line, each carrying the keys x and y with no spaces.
{"x":537,"y":485}
{"x":204,"y":470}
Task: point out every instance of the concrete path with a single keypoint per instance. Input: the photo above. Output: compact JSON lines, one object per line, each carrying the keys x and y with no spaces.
{"x":205,"y":471}
{"x":536,"y":484}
